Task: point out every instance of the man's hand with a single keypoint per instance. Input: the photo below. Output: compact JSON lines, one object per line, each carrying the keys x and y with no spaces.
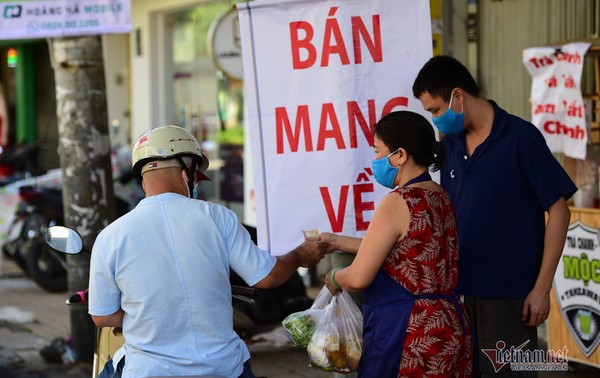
{"x":312,"y":251}
{"x":536,"y":308}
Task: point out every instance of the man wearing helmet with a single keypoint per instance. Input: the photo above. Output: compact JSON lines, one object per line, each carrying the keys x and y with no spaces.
{"x":162,"y":270}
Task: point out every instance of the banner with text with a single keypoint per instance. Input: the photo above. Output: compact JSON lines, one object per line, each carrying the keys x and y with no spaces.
{"x":63,"y":18}
{"x":577,"y":285}
{"x":556,"y":101}
{"x":318,"y":75}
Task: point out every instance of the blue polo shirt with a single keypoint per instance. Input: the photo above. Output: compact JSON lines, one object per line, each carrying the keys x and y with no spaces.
{"x":500,"y":194}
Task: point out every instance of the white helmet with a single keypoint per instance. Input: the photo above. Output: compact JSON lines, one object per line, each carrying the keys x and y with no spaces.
{"x":157,"y":148}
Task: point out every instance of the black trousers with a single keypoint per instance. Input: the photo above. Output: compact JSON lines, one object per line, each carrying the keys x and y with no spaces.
{"x":498,"y":328}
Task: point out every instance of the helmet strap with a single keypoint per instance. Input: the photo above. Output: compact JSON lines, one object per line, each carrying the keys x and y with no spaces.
{"x":189,"y":171}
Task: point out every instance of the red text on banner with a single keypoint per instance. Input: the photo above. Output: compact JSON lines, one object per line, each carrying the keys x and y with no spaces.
{"x":302,"y":43}
{"x":360,"y":206}
{"x":329,"y":126}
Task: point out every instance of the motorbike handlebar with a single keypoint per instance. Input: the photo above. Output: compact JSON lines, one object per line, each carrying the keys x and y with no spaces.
{"x":250,"y":292}
{"x":79,"y":297}
{"x":244,"y":291}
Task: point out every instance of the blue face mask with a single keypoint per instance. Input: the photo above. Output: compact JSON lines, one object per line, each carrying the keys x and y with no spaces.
{"x":450,"y":122}
{"x":384,"y":172}
{"x":195,"y":192}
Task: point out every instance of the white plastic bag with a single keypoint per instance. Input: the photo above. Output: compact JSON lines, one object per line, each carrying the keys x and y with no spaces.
{"x":336,"y":344}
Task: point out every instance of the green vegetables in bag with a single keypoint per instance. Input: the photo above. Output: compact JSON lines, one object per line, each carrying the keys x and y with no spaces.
{"x":300,"y":326}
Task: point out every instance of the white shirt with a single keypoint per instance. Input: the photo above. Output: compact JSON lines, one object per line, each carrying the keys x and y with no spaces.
{"x":166,"y":264}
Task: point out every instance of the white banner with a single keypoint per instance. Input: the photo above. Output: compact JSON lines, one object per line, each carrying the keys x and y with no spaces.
{"x":556,"y":102}
{"x":318,"y":75}
{"x":63,"y":18}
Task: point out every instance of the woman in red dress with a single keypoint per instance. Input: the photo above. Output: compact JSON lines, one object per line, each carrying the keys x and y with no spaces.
{"x":407,"y":262}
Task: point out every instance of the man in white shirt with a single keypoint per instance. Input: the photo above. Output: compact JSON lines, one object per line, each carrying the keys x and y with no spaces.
{"x":162,"y":270}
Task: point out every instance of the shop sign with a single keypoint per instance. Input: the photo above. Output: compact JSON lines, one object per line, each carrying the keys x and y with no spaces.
{"x":225,"y":45}
{"x":557,"y":108}
{"x":63,"y":18}
{"x":577,"y":286}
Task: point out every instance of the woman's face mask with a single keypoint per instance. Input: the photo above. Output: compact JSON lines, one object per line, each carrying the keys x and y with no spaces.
{"x":384,"y":172}
{"x":450,"y":122}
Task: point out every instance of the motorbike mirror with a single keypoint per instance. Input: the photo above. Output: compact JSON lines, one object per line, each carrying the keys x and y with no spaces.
{"x":64,"y":239}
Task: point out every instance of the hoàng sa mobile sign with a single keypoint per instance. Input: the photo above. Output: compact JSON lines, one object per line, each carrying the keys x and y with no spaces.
{"x":317,"y":76}
{"x":63,"y":18}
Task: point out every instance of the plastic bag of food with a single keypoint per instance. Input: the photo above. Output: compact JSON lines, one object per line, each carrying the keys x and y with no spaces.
{"x":300,"y":326}
{"x":336,"y":344}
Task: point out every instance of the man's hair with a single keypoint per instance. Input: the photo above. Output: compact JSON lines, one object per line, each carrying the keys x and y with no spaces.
{"x":441,"y":75}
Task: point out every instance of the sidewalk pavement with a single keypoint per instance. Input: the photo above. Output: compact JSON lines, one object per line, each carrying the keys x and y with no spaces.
{"x":30,"y":318}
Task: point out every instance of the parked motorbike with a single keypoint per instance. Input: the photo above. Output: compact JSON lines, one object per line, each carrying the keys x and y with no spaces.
{"x":254,"y":310}
{"x":270,"y":306}
{"x":18,"y":162}
{"x":41,"y":207}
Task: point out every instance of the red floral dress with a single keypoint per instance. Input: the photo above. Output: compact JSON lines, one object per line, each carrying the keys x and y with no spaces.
{"x":437,"y":337}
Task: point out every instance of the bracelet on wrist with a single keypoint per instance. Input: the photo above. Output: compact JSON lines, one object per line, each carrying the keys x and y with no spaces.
{"x":332,"y":280}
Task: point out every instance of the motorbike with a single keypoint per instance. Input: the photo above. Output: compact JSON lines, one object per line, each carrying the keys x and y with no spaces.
{"x":270,"y":306}
{"x":254,"y":310}
{"x":18,"y":162}
{"x":40,"y":207}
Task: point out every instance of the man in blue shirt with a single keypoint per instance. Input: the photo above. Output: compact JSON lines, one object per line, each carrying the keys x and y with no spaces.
{"x":502,"y":179}
{"x":161,"y":271}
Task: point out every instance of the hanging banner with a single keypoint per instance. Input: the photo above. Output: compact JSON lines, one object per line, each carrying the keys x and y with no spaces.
{"x":317,"y":76}
{"x":63,"y":18}
{"x":577,"y":286}
{"x":556,"y":101}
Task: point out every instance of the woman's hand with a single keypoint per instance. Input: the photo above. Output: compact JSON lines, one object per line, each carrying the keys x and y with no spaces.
{"x":332,"y":286}
{"x":329,"y":237}
{"x":347,"y":244}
